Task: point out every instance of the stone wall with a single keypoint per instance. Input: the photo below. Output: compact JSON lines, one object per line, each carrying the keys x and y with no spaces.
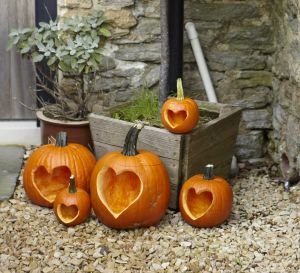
{"x":284,"y":145}
{"x":237,"y":41}
{"x":133,"y":52}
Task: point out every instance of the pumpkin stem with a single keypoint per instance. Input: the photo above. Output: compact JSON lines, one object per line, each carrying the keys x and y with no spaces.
{"x":129,"y":148}
{"x":72,"y":185}
{"x":209,"y":172}
{"x":61,"y":139}
{"x":180,"y":94}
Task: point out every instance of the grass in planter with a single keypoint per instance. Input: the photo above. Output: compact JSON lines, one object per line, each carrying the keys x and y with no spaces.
{"x":145,"y":108}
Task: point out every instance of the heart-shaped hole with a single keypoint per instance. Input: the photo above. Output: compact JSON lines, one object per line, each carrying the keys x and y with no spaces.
{"x":198,"y":203}
{"x":49,"y":184}
{"x":67,"y":213}
{"x":118,"y":192}
{"x":177,"y":118}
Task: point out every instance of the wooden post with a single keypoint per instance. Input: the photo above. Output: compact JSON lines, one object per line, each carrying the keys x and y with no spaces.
{"x":176,"y":16}
{"x":164,"y":59}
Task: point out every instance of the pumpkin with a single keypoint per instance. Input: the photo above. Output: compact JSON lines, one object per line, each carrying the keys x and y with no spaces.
{"x":205,"y":200}
{"x":130,"y":188}
{"x":72,"y":205}
{"x":49,"y":167}
{"x":179,"y":115}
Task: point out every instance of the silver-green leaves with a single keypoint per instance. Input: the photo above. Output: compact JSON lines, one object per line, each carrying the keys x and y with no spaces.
{"x":71,"y":45}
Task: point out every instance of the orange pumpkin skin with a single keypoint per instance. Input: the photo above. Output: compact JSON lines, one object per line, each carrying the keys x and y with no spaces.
{"x":72,"y":208}
{"x":48,"y":169}
{"x":130,"y":191}
{"x":180,"y":116}
{"x":205,"y":203}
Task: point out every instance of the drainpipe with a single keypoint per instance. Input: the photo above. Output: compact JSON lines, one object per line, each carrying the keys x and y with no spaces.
{"x":193,"y":36}
{"x":209,"y":89}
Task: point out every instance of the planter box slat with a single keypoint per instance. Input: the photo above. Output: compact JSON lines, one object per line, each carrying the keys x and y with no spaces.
{"x":113,"y":132}
{"x":183,"y":155}
{"x":212,"y":143}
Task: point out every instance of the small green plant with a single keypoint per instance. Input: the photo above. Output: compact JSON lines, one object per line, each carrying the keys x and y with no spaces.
{"x":72,"y":46}
{"x":144,"y":107}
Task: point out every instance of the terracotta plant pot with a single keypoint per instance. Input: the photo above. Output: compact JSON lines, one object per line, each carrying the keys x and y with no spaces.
{"x":78,"y":131}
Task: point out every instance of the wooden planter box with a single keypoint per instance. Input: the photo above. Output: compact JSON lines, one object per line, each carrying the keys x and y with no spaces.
{"x":183,"y":155}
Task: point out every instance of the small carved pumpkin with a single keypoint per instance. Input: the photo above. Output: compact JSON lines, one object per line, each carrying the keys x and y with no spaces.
{"x":48,"y":169}
{"x":72,"y":205}
{"x":205,"y":200}
{"x":130,"y":188}
{"x":179,"y":115}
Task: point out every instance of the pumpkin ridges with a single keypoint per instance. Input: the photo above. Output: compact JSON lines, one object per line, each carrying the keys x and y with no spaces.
{"x":74,"y":198}
{"x":176,"y":105}
{"x":221,"y":205}
{"x":51,"y":157}
{"x":135,"y":214}
{"x":189,"y":123}
{"x":89,"y":161}
{"x":80,"y":199}
{"x":143,"y":165}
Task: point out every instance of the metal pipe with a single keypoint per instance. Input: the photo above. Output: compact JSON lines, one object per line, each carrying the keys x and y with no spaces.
{"x":193,"y":36}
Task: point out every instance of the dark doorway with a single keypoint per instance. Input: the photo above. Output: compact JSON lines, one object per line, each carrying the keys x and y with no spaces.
{"x":45,"y":10}
{"x":176,"y":15}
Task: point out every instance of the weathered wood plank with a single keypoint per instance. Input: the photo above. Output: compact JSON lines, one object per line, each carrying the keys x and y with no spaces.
{"x":112,"y":131}
{"x":5,"y":111}
{"x":22,"y":75}
{"x":172,"y":166}
{"x":212,"y":143}
{"x":16,"y":75}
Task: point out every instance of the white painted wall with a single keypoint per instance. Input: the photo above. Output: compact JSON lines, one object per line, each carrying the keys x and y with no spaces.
{"x":20,"y":132}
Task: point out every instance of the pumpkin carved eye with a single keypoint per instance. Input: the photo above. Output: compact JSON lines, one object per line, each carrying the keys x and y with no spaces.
{"x":180,"y":115}
{"x":68,"y":213}
{"x":49,"y":184}
{"x":118,"y":192}
{"x":130,"y":188}
{"x":198,"y":204}
{"x":175,"y":119}
{"x":205,"y":200}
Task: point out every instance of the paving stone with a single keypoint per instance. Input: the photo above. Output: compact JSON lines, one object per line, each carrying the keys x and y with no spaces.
{"x":11,"y":159}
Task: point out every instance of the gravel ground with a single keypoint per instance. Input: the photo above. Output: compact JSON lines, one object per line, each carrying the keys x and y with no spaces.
{"x":262,"y":235}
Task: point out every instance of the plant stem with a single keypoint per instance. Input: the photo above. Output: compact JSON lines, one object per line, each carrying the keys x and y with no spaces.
{"x":82,"y":107}
{"x":61,"y":139}
{"x":72,"y":185}
{"x":180,"y":94}
{"x":209,"y":172}
{"x":130,"y":144}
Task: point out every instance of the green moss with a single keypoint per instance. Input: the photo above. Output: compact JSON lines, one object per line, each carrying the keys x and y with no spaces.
{"x":145,"y":107}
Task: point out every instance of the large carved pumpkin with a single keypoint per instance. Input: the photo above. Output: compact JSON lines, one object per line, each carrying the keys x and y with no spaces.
{"x":205,"y":200}
{"x":130,"y":188}
{"x":48,"y":169}
{"x":180,"y":115}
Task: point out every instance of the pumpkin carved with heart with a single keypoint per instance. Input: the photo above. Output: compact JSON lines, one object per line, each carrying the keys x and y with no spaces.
{"x":180,"y":115}
{"x":131,"y":188}
{"x":72,"y":205}
{"x":49,"y":167}
{"x":205,"y":200}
